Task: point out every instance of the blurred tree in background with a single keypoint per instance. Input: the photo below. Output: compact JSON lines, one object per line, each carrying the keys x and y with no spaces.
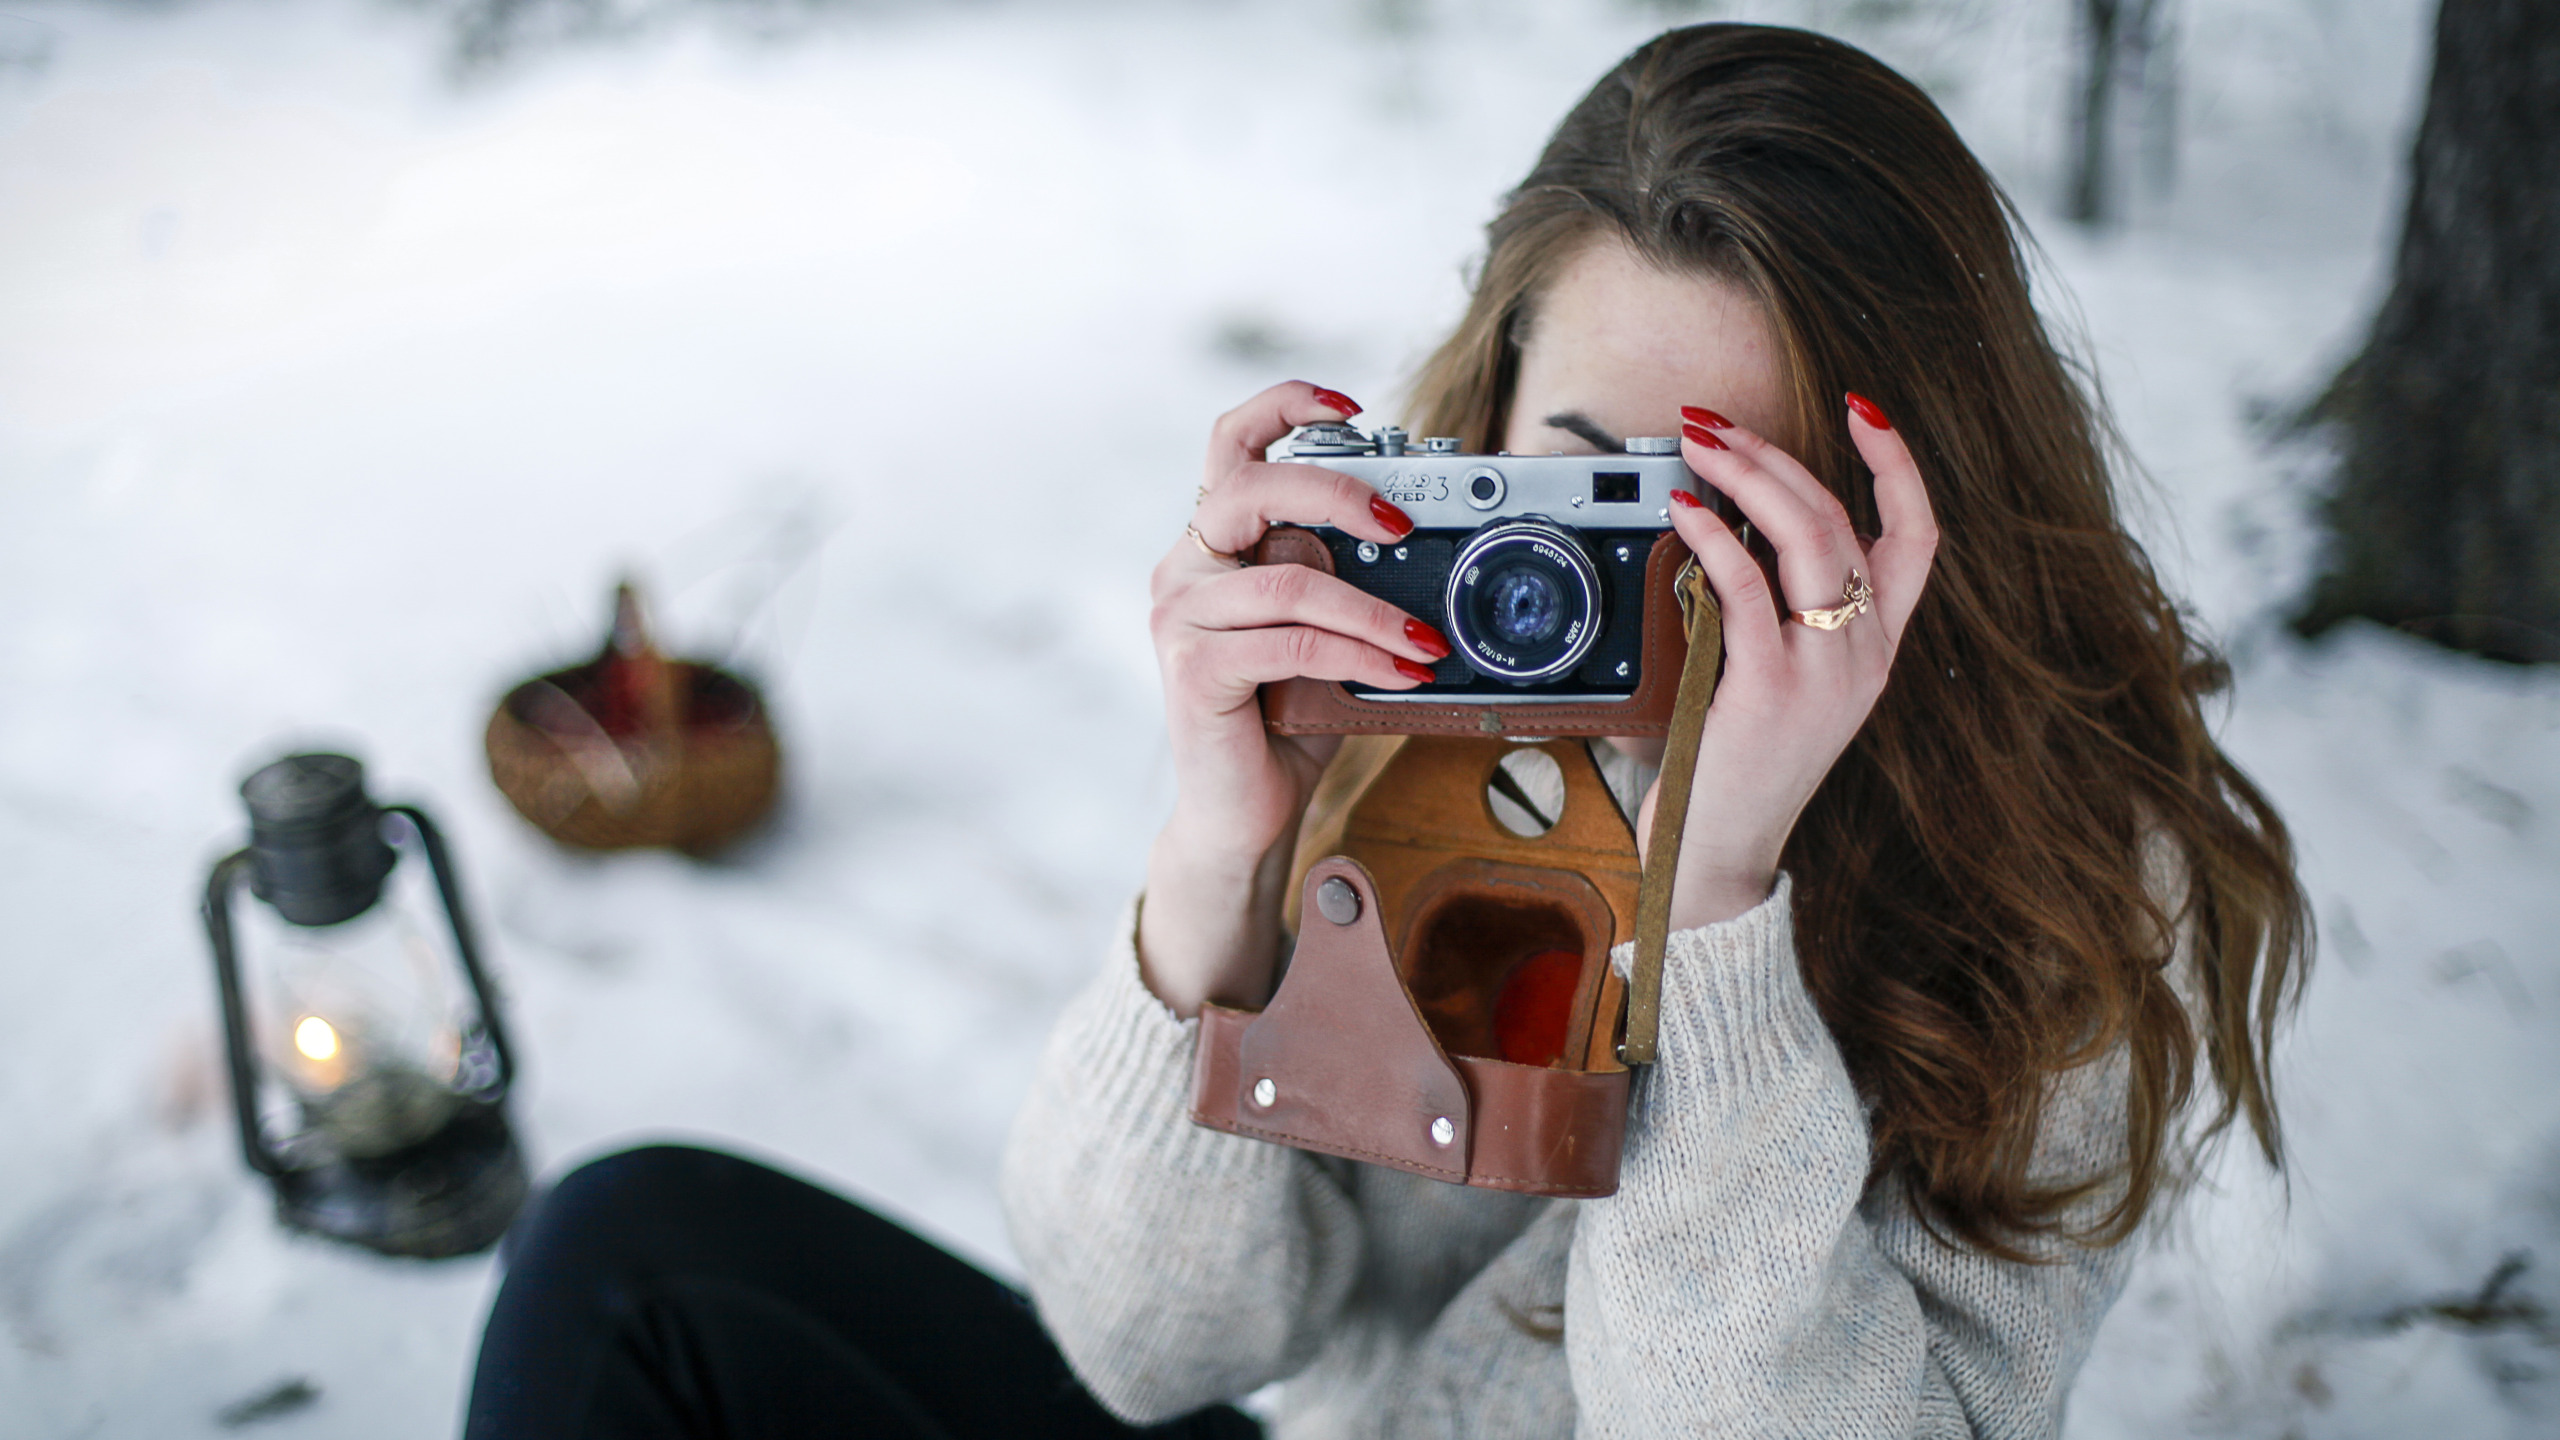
{"x":2445,"y":520}
{"x":2126,"y":53}
{"x":488,"y":33}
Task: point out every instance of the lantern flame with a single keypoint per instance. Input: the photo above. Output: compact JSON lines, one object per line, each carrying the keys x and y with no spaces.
{"x":315,"y":1038}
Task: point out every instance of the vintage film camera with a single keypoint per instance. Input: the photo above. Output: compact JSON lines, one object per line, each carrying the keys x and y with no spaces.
{"x":1449,"y":1008}
{"x":1550,"y":574}
{"x":1450,"y":1003}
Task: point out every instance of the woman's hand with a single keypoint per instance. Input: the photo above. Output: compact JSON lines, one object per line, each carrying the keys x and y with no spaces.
{"x":1216,"y":875}
{"x":1792,"y":696}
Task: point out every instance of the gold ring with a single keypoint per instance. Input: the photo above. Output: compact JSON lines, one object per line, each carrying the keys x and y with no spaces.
{"x":1221,"y":556}
{"x":1856,"y":598}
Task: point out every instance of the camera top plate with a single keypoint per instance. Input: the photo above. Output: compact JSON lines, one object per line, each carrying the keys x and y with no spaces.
{"x":1443,"y":487}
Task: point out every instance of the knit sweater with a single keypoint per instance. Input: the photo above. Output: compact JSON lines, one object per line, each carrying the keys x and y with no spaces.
{"x":1744,"y":1281}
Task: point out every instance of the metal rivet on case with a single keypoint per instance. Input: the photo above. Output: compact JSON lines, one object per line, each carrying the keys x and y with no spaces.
{"x":1264,"y":1092}
{"x":1368,"y":552}
{"x":1338,"y":901}
{"x":1403,"y":551}
{"x":1622,"y":669}
{"x":1442,"y":1132}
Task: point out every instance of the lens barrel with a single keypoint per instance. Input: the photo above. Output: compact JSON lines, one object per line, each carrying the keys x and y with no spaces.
{"x":1523,"y":601}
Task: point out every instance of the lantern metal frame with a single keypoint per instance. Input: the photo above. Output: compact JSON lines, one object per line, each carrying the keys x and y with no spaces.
{"x":342,"y":1197}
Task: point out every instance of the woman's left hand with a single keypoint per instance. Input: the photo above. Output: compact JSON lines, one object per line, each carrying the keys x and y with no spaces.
{"x":1792,"y":696}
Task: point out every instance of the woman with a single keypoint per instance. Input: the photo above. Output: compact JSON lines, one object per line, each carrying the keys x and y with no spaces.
{"x":1965,"y":894}
{"x":1947,"y":947}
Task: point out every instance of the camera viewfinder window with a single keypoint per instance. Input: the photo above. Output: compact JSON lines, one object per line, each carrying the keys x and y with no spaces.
{"x":1613,"y":488}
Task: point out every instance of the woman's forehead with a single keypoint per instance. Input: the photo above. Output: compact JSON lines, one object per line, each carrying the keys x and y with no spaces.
{"x":1627,"y":343}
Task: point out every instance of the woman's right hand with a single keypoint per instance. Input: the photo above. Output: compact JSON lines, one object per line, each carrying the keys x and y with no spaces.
{"x":1215,"y":879}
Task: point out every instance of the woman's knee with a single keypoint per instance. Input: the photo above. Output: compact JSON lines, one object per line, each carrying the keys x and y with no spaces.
{"x":650,"y":1176}
{"x":622,"y":1204}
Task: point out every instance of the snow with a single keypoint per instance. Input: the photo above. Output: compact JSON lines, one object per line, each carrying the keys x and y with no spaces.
{"x":334,"y":394}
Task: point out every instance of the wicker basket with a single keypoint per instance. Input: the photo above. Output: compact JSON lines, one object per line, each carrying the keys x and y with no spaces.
{"x":693,"y":785}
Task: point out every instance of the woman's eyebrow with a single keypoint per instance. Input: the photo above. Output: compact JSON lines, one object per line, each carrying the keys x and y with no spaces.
{"x":1579,"y":425}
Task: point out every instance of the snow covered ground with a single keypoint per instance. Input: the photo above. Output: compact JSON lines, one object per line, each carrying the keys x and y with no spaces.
{"x":334,"y":395}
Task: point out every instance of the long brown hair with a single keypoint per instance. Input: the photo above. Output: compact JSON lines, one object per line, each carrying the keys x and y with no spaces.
{"x":1971,"y":906}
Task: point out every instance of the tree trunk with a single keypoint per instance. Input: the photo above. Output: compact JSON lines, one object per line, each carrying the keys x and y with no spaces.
{"x":2445,"y":520}
{"x":2125,"y":46}
{"x":2093,"y":125}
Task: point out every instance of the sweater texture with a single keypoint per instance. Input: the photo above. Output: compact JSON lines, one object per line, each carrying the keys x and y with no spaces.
{"x":1744,"y":1281}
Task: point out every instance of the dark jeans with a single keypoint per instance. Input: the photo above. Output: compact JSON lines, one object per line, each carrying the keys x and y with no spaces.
{"x":669,"y":1292}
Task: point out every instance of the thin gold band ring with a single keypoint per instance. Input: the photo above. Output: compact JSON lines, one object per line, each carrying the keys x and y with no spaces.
{"x":1214,"y":553}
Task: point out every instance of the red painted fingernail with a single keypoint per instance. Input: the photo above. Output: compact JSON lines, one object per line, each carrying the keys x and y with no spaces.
{"x":1868,"y":412}
{"x":1414,"y":671}
{"x":1337,"y":400}
{"x":1391,"y":517}
{"x":1701,"y":435}
{"x":1686,"y":501}
{"x":1433,"y":643}
{"x":1701,"y":415}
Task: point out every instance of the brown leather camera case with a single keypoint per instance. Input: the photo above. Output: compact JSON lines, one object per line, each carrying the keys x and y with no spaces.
{"x":1323,"y":707}
{"x":1383,"y":1024}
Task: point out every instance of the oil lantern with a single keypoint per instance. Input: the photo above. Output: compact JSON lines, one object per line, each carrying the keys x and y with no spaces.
{"x":369,"y":1067}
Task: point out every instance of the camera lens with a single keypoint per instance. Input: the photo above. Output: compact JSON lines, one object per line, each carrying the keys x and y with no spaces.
{"x":1523,"y":602}
{"x":1523,"y":605}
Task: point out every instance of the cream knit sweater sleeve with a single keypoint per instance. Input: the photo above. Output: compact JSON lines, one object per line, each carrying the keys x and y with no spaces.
{"x":1739,"y":1285}
{"x":1175,"y":1266}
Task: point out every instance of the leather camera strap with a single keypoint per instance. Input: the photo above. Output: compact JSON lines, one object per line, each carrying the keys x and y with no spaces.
{"x":1671,"y":812}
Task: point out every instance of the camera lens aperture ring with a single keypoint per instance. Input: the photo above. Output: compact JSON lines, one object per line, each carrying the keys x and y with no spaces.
{"x":1523,"y":601}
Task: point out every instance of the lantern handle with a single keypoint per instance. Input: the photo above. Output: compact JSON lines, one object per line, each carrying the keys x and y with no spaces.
{"x":449,"y":889}
{"x":235,"y":1013}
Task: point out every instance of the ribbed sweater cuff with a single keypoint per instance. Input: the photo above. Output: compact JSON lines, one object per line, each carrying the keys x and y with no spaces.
{"x":1734,"y":1006}
{"x":1133,"y":1058}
